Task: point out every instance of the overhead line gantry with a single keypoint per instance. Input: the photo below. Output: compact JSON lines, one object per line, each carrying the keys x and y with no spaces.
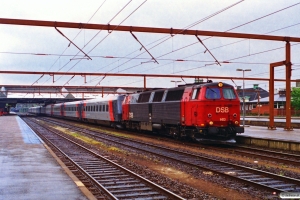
{"x":108,"y":27}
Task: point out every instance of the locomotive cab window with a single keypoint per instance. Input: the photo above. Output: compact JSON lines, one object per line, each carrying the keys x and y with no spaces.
{"x":195,"y":93}
{"x":228,"y":93}
{"x":212,"y":93}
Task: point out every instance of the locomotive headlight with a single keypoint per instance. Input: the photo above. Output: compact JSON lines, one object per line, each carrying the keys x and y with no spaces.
{"x":236,"y":122}
{"x":209,"y":115}
{"x":220,"y":84}
{"x":211,"y":123}
{"x":234,"y":114}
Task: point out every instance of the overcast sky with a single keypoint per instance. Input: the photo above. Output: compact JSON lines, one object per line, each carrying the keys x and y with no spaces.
{"x":19,"y":43}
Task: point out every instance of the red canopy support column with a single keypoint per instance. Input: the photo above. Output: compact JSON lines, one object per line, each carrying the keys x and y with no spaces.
{"x":271,"y":94}
{"x":288,"y":86}
{"x":288,"y":74}
{"x":271,"y":98}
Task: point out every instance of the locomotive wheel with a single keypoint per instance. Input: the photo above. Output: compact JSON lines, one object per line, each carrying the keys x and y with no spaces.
{"x":175,"y":133}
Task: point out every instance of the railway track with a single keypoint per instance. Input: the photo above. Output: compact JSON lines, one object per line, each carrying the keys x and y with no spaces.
{"x":113,"y":180}
{"x":257,"y":178}
{"x":281,"y":157}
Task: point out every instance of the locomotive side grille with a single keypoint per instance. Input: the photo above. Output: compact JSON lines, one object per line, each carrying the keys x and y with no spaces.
{"x":139,"y":112}
{"x":168,"y":113}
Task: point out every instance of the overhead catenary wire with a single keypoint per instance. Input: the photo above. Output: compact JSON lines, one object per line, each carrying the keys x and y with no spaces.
{"x":208,"y":50}
{"x":185,"y":28}
{"x":246,"y":24}
{"x":133,"y":58}
{"x":75,"y":38}
{"x":111,"y":30}
{"x":85,"y":55}
{"x":144,"y":47}
{"x":95,"y":36}
{"x":231,"y":62}
{"x":267,"y":15}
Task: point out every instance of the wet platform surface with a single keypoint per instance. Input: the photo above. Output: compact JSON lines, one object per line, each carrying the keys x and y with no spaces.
{"x":28,"y":171}
{"x":265,"y":133}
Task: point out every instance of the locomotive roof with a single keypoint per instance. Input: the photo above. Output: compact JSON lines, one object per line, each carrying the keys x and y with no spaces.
{"x":182,"y":86}
{"x":214,"y":84}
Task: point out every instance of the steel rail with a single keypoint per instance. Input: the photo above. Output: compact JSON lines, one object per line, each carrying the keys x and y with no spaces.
{"x":164,"y":191}
{"x":146,"y":147}
{"x":71,"y":160}
{"x":286,"y":158}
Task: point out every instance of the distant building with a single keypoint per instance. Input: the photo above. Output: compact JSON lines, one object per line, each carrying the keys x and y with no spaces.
{"x":257,"y":101}
{"x":251,"y":94}
{"x":298,"y":83}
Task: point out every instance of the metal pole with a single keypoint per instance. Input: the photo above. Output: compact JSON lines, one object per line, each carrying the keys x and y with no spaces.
{"x":243,"y":70}
{"x":243,"y":99}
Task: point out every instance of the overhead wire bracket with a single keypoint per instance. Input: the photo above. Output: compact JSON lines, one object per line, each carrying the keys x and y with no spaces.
{"x":84,"y":78}
{"x":208,"y":50}
{"x":234,"y":83}
{"x":69,"y":80}
{"x":52,"y":77}
{"x":38,"y":80}
{"x":100,"y":80}
{"x":143,"y":47}
{"x":89,"y":58}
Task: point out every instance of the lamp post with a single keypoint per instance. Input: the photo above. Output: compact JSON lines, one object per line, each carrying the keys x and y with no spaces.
{"x":243,"y":70}
{"x":175,"y":82}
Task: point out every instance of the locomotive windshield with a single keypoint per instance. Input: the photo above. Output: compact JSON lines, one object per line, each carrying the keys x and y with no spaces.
{"x":228,"y":93}
{"x":213,"y":93}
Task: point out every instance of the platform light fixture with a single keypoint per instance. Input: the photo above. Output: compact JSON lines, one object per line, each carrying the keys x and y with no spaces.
{"x":243,"y":70}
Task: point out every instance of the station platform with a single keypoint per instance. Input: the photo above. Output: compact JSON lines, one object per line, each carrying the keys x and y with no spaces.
{"x":28,"y":170}
{"x":257,"y":133}
{"x":279,"y":122}
{"x":277,"y":134}
{"x":266,"y":118}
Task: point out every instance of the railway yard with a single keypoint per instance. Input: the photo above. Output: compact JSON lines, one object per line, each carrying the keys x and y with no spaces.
{"x":116,"y":164}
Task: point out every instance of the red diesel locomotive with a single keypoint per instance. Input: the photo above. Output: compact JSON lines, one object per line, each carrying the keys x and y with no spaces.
{"x":198,"y":111}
